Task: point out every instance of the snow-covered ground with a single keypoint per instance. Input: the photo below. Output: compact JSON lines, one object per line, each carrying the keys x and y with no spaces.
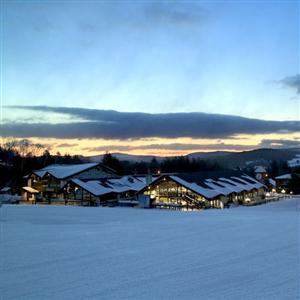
{"x":52,"y":252}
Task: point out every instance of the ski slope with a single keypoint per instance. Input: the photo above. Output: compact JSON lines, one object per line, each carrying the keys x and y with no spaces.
{"x":58,"y":252}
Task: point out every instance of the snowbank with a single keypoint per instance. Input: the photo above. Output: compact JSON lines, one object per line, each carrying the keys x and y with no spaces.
{"x":7,"y":198}
{"x":58,"y":252}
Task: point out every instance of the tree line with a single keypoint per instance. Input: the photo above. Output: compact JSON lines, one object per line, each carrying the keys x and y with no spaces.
{"x":167,"y":165}
{"x":19,"y":158}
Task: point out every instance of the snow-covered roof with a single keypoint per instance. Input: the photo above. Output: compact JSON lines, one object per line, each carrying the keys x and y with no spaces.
{"x":238,"y":187}
{"x":124,"y":182}
{"x":221,"y":187}
{"x":93,"y":186}
{"x":230,"y":187}
{"x":285,"y":176}
{"x":249,"y":181}
{"x":207,"y":193}
{"x":243,"y":183}
{"x":30,"y":189}
{"x":112,"y":185}
{"x":5,"y":189}
{"x":64,"y":171}
{"x":213,"y":184}
{"x":272,"y":182}
{"x":260,"y":169}
{"x":295,"y":162}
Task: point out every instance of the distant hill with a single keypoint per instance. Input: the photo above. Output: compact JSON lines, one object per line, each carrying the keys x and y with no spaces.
{"x":226,"y":158}
{"x":127,"y":157}
{"x":255,"y":157}
{"x":209,"y":155}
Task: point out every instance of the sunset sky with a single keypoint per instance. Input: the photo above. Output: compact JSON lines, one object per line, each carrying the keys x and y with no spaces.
{"x":150,"y":77}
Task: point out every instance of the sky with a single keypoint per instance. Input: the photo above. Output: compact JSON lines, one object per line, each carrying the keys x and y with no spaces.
{"x":150,"y":77}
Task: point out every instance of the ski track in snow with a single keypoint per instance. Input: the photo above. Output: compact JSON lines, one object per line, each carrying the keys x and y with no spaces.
{"x":58,"y":252}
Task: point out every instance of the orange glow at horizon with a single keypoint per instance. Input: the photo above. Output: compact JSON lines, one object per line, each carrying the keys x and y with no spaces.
{"x":158,"y":146}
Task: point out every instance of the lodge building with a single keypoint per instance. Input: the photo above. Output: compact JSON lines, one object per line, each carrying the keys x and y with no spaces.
{"x":46,"y":184}
{"x":199,"y":190}
{"x":105,"y":191}
{"x":94,"y":184}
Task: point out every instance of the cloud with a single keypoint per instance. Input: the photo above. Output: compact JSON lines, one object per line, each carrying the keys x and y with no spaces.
{"x":291,"y":82}
{"x":279,"y":143}
{"x":180,"y":146}
{"x":110,"y":124}
{"x":110,"y":148}
{"x":66,"y":145}
{"x":172,"y":146}
{"x":173,"y":13}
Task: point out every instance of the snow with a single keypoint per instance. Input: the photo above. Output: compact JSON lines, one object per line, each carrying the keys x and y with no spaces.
{"x":237,"y":186}
{"x":93,"y":187}
{"x":222,"y":186}
{"x":64,"y":252}
{"x":221,"y":189}
{"x":295,"y":162}
{"x":30,"y":189}
{"x":5,"y":189}
{"x":260,"y":169}
{"x":8,"y":198}
{"x":285,"y":176}
{"x":126,"y":183}
{"x":112,"y":185}
{"x":207,"y":193}
{"x":63,"y":171}
{"x":255,"y":185}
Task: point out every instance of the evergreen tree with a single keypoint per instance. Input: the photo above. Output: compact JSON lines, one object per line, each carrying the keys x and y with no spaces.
{"x":113,"y":163}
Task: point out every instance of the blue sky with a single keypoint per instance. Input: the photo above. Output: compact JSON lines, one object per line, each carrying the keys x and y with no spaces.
{"x":223,"y":57}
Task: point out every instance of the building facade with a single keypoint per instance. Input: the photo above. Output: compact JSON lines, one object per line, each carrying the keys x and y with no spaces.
{"x":201,"y":190}
{"x":45,"y":185}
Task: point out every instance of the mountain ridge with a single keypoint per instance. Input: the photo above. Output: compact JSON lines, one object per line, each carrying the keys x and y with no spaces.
{"x":227,"y":158}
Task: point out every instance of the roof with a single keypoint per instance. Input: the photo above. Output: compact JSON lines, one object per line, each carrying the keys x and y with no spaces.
{"x":5,"y":189}
{"x":206,"y":192}
{"x":62,"y":171}
{"x":285,"y":176}
{"x":201,"y":177}
{"x":30,"y":189}
{"x":111,"y":185}
{"x":260,"y":169}
{"x":93,"y":187}
{"x":213,"y":184}
{"x":237,"y":187}
{"x":272,"y":182}
{"x":220,"y":186}
{"x":295,"y":162}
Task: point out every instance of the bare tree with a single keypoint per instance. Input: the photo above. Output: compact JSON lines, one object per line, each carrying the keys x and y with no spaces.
{"x":23,"y":147}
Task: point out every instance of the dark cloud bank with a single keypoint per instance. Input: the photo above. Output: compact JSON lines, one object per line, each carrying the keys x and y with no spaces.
{"x":110,"y":124}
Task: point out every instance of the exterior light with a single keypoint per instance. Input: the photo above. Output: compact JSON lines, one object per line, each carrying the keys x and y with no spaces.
{"x":273,"y":190}
{"x":158,"y":172}
{"x":282,"y":191}
{"x":268,"y":194}
{"x":291,"y":192}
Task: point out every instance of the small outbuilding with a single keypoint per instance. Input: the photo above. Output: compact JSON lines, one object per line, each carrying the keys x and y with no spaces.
{"x":30,"y":195}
